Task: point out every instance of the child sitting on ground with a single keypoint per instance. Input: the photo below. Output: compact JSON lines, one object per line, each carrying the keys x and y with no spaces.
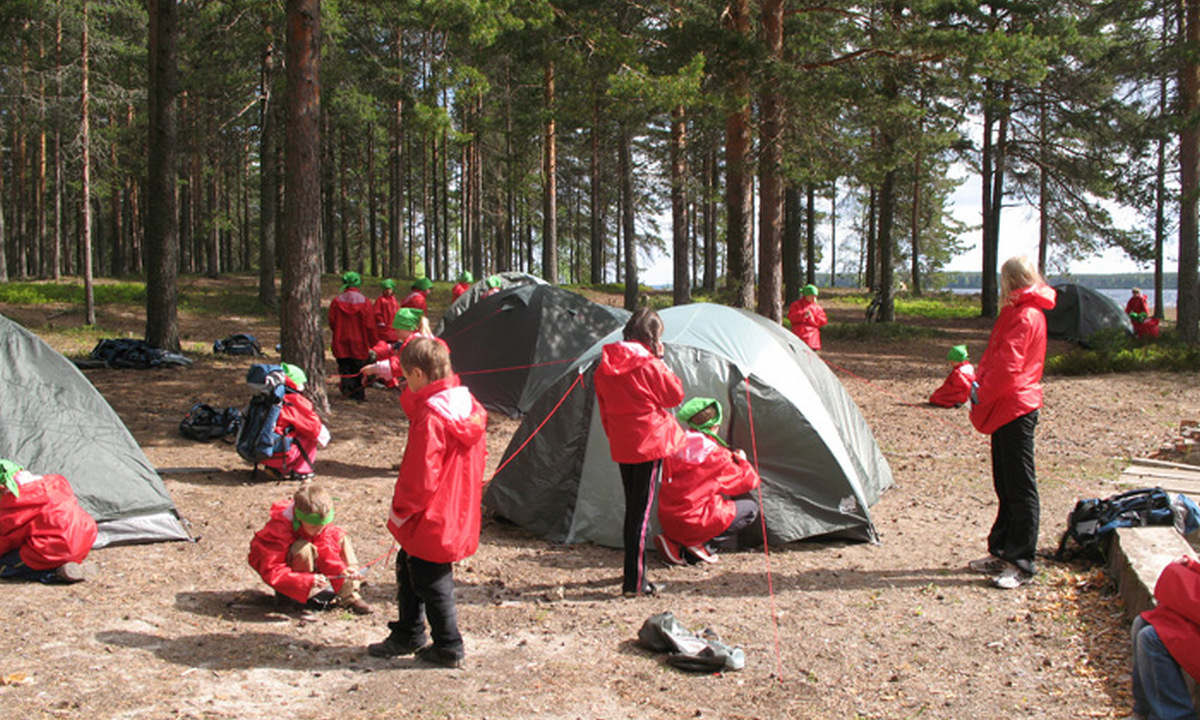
{"x":385,"y":364}
{"x":956,"y":389}
{"x":698,"y":507}
{"x":435,"y":513}
{"x":44,"y":534}
{"x":302,"y":555}
{"x":298,"y":419}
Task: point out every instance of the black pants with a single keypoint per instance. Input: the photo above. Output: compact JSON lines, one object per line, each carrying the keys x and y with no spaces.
{"x":426,"y":590}
{"x":640,"y":481}
{"x":1014,"y":535}
{"x":746,"y":514}
{"x":351,"y":383}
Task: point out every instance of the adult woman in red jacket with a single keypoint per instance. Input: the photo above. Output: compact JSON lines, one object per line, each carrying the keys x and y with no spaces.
{"x":1004,"y":404}
{"x":636,"y":391}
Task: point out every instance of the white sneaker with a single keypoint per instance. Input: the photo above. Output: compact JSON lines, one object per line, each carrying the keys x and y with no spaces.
{"x":701,"y":553}
{"x":668,"y":550}
{"x":1012,"y":577}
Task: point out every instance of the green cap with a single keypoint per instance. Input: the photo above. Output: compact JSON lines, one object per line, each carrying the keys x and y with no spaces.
{"x":407,"y":319}
{"x":388,"y":284}
{"x":809,"y":290}
{"x":422,"y":283}
{"x":351,"y":279}
{"x":957,"y":354}
{"x":465,"y":277}
{"x":494,"y":281}
{"x":295,"y":374}
{"x":696,"y":405}
{"x":8,"y":476}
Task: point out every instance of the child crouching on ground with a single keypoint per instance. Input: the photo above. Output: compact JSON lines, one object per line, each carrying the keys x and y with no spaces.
{"x":956,"y":388}
{"x":435,"y":514}
{"x":304,"y":556}
{"x":698,"y":507}
{"x":44,"y":534}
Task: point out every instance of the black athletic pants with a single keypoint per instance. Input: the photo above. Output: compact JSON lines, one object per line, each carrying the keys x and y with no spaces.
{"x":351,"y":383}
{"x":426,"y":590}
{"x":640,"y":481}
{"x":1014,"y":535}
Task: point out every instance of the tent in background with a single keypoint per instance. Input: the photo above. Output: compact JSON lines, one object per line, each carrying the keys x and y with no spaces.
{"x":820,"y":465}
{"x":508,"y":347}
{"x":1079,"y":312}
{"x":52,"y":420}
{"x":476,"y":291}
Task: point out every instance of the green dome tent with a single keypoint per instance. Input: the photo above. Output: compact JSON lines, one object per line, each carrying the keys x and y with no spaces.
{"x":508,"y":347}
{"x":820,"y":465}
{"x":52,"y":420}
{"x":1080,"y":312}
{"x":476,"y":291}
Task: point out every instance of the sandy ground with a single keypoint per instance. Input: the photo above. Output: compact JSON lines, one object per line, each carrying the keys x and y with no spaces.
{"x":830,"y":630}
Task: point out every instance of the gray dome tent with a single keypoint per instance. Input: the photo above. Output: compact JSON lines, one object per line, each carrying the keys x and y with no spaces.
{"x":508,"y":347}
{"x":820,"y":465}
{"x":476,"y":291}
{"x":55,"y":421}
{"x":1079,"y":312}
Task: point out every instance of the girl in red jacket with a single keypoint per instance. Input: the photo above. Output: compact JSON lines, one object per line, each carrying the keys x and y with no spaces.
{"x":44,"y":534}
{"x":408,"y":324}
{"x":302,"y":555}
{"x":465,"y":279}
{"x":1004,"y":404}
{"x":807,"y":317}
{"x":435,"y":513}
{"x":419,"y":296}
{"x":385,"y":309}
{"x":352,"y":323}
{"x":956,"y":389}
{"x":635,"y":390}
{"x":298,"y":419}
{"x":1166,"y":645}
{"x":698,"y":508}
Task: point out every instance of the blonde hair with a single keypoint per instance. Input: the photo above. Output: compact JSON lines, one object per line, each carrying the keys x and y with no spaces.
{"x":312,"y":499}
{"x":1016,"y":273}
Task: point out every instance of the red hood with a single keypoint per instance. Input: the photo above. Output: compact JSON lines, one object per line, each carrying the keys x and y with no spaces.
{"x":621,"y":357}
{"x":465,"y":418}
{"x":1039,"y":294}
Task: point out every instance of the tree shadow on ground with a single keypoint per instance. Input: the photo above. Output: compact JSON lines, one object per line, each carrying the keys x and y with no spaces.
{"x":241,"y":651}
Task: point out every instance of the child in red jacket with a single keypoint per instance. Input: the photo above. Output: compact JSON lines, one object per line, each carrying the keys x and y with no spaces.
{"x":635,"y":390}
{"x":699,"y":508}
{"x":44,"y":534}
{"x":385,"y":309}
{"x":956,"y":389}
{"x":352,"y":323}
{"x":419,"y":296}
{"x":465,"y":279}
{"x":1166,"y":645}
{"x":807,"y":317}
{"x":298,"y":419}
{"x":302,"y":555}
{"x":408,"y":324}
{"x":435,"y":513}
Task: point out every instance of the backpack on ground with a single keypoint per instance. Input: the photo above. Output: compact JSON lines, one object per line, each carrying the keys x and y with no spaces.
{"x":1092,"y":522}
{"x":204,"y":422}
{"x":258,"y":439}
{"x":239,"y":344}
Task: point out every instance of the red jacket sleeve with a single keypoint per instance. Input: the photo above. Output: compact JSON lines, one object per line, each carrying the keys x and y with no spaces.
{"x":741,"y":480}
{"x":1005,"y":362}
{"x":420,"y":473}
{"x":298,"y":414}
{"x":268,"y":557}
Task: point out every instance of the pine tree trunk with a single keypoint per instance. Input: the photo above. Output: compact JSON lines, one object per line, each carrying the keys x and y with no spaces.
{"x":1188,"y":303}
{"x":162,"y":223}
{"x":810,"y":240}
{"x":682,"y":285}
{"x":550,"y":184}
{"x":792,"y":251}
{"x":85,"y":185}
{"x":597,"y":191}
{"x":628,"y":224}
{"x":268,"y":178}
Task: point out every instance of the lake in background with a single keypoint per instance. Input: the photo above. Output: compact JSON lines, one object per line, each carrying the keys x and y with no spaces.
{"x":1120,"y":295}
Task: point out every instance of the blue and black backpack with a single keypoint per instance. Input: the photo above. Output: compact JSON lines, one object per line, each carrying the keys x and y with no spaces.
{"x":1092,"y":522}
{"x":258,"y":439}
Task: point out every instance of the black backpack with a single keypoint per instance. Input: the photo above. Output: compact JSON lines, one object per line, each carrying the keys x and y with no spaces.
{"x":258,"y":438}
{"x":239,"y":344}
{"x":1091,"y":523}
{"x":204,"y":422}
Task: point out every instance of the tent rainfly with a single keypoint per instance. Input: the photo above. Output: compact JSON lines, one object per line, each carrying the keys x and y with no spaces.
{"x":1079,"y":312}
{"x":508,"y":347}
{"x":52,"y":420}
{"x":476,"y":291}
{"x":820,"y":465}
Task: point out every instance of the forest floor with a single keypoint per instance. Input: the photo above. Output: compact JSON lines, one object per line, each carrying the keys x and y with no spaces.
{"x":830,"y":629}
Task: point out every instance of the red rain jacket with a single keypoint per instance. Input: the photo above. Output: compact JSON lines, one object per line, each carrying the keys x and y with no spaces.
{"x":1137,"y":304}
{"x":807,"y":318}
{"x":1177,"y":617}
{"x":636,"y":390}
{"x":701,"y":476}
{"x":435,"y":513}
{"x":297,"y":416}
{"x":415,"y":299}
{"x":45,"y":523}
{"x":1010,"y":372}
{"x":352,"y":322}
{"x":458,"y":289}
{"x":385,"y":312}
{"x":269,"y":549}
{"x":956,"y":389}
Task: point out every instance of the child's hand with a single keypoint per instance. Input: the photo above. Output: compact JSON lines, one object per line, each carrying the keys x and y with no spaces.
{"x":740,"y":454}
{"x":320,"y":583}
{"x":355,"y":574}
{"x":369,"y":370}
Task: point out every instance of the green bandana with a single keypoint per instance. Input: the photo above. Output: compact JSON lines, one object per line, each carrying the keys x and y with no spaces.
{"x":494,"y":281}
{"x":466,"y":277}
{"x":8,"y":476}
{"x":957,"y":354}
{"x":423,"y":283}
{"x":694,"y":406}
{"x":296,"y":374}
{"x":388,"y":284}
{"x":310,"y":518}
{"x":351,"y":279}
{"x":407,"y":319}
{"x":809,"y":290}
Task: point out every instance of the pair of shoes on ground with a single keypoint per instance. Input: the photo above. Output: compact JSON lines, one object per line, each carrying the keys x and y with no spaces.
{"x":673,"y":553}
{"x":431,"y":654}
{"x":649,"y":589}
{"x":1005,"y":575}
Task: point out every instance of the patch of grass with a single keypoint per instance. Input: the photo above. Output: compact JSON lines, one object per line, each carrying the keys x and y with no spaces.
{"x":1113,"y":351}
{"x":936,"y":306}
{"x":44,"y":293}
{"x":888,"y":332}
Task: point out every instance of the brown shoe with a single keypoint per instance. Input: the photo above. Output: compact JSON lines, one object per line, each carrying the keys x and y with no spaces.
{"x":358,"y":606}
